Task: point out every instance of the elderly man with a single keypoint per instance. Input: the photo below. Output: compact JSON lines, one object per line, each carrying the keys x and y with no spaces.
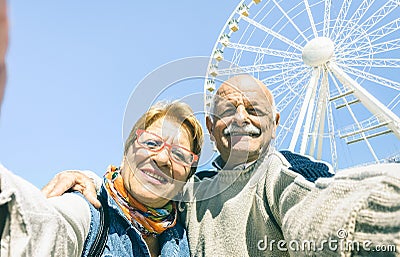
{"x":263,"y":203}
{"x":232,"y":212}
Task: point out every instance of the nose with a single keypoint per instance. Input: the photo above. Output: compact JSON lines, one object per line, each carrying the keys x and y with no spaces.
{"x":162,"y":158}
{"x":241,"y":116}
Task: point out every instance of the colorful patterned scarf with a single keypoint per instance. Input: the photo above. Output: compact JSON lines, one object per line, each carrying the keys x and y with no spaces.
{"x":149,"y":221}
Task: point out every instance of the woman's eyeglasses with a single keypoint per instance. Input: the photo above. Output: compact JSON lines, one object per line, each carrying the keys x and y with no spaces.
{"x":155,"y":143}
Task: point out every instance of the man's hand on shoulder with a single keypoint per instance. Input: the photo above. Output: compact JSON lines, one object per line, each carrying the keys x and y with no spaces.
{"x":74,"y":180}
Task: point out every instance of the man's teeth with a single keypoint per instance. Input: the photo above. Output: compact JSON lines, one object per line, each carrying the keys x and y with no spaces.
{"x":241,"y":134}
{"x":155,"y":176}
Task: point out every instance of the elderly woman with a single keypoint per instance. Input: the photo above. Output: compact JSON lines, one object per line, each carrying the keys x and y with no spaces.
{"x":138,"y":217}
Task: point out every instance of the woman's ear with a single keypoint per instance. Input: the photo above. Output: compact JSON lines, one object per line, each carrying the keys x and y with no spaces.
{"x":121,"y":167}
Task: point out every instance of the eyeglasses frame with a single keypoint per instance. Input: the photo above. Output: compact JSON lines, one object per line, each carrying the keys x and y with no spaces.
{"x":139,"y":132}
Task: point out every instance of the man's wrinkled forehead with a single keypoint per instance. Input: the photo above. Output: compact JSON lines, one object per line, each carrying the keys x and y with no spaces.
{"x":247,"y":94}
{"x":234,"y":98}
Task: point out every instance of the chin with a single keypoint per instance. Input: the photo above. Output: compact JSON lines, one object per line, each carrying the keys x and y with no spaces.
{"x":245,"y":150}
{"x":162,"y":195}
{"x":154,"y":201}
{"x":245,"y":145}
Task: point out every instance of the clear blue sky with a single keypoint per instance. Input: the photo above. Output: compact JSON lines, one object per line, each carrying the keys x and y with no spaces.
{"x":72,"y":66}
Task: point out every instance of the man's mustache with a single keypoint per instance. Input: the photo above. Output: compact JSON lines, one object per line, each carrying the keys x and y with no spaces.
{"x":248,"y":129}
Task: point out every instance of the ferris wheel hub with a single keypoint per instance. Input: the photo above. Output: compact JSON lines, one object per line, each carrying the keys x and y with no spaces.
{"x":318,"y":51}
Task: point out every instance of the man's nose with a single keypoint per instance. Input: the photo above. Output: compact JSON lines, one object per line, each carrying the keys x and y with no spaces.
{"x":241,"y":116}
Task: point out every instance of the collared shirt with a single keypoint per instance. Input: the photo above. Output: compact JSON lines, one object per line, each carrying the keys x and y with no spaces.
{"x":219,"y":164}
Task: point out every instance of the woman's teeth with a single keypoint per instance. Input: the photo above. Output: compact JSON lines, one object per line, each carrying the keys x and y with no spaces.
{"x":153,"y":175}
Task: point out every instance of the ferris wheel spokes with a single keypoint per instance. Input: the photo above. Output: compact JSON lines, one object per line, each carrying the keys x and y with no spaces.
{"x":327,"y":18}
{"x":354,"y":19}
{"x":311,"y":18}
{"x":374,"y":63}
{"x":378,"y":80}
{"x":290,"y":20}
{"x":321,"y":59}
{"x":379,"y":48}
{"x":344,"y":9}
{"x":256,"y":68}
{"x":265,"y":51}
{"x":273,"y":33}
{"x":374,"y":35}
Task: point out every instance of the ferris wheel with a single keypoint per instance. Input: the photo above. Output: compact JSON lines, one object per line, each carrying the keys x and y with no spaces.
{"x":332,"y":66}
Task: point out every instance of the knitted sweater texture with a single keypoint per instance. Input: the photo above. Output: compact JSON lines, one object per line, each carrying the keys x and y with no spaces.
{"x":357,"y":210}
{"x":236,"y":212}
{"x":270,"y":210}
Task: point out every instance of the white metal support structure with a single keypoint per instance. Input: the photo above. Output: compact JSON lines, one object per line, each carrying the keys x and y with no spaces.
{"x":332,"y":66}
{"x":384,"y":114}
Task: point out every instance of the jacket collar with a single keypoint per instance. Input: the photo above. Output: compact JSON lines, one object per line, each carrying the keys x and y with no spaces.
{"x":219,"y":164}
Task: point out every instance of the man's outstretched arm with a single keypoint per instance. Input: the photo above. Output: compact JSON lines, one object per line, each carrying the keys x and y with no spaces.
{"x":354,"y":212}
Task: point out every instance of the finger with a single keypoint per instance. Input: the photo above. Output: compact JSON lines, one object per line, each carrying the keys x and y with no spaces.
{"x":60,"y":188}
{"x":78,"y":187}
{"x":61,"y":183}
{"x":89,"y":191}
{"x":92,"y":198}
{"x":87,"y":188}
{"x":46,"y":190}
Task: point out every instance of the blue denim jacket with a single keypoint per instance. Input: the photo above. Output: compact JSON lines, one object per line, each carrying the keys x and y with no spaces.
{"x":124,"y":240}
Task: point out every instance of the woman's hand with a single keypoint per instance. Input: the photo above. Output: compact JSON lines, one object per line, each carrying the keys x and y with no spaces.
{"x":74,"y":180}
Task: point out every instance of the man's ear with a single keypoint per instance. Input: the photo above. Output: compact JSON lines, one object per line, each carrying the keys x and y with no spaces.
{"x":277,"y":119}
{"x":275,"y":125}
{"x":210,"y":125}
